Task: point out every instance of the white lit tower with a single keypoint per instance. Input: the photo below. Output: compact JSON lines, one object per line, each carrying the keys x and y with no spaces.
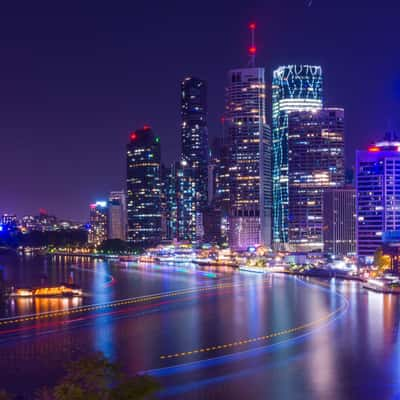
{"x":250,"y":213}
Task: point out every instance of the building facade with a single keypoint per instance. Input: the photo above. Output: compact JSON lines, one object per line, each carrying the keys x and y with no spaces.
{"x":170,"y":200}
{"x":215,"y":217}
{"x":315,"y":163}
{"x":378,"y":195}
{"x":117,"y":215}
{"x":339,"y":221}
{"x":195,"y":148}
{"x":250,"y":208}
{"x":98,"y":223}
{"x":294,"y":88}
{"x":144,"y":187}
{"x":189,"y":220}
{"x":220,"y":156}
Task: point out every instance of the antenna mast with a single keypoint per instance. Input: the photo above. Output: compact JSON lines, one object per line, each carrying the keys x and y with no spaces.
{"x":252,"y":48}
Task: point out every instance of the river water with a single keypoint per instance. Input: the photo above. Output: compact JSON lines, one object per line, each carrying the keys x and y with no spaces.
{"x":230,"y":334}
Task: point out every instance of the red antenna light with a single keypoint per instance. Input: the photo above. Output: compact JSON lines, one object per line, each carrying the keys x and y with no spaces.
{"x":252,"y":48}
{"x":133,"y":136}
{"x":146,"y":127}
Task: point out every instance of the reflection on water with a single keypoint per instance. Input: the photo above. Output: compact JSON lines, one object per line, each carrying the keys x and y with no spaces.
{"x":355,"y":357}
{"x":104,"y":331}
{"x":21,"y":305}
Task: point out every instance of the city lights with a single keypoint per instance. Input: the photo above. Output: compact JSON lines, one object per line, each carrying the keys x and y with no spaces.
{"x":245,"y":253}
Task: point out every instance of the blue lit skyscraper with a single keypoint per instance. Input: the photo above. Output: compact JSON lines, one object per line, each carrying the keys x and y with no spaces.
{"x":195,"y":155}
{"x":143,"y":187}
{"x":294,"y":88}
{"x":378,"y":195}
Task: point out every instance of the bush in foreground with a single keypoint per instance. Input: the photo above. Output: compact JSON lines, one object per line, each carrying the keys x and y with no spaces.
{"x":96,"y":378}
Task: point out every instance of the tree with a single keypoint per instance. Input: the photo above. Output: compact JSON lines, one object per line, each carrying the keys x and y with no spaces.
{"x":96,"y":378}
{"x":114,"y":246}
{"x":44,"y":393}
{"x":381,"y":260}
{"x":4,"y":395}
{"x":138,"y":388}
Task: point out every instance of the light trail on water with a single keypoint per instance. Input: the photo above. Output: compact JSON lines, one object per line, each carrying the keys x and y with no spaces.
{"x":315,"y":326}
{"x":115,"y":303}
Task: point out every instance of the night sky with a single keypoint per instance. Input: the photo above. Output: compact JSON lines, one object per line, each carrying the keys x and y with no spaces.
{"x":76,"y":77}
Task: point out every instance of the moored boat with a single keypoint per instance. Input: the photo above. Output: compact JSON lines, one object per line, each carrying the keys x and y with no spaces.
{"x":63,"y":290}
{"x":383,"y":285}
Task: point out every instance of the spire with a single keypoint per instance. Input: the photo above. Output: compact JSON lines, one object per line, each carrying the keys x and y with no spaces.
{"x":252,"y":48}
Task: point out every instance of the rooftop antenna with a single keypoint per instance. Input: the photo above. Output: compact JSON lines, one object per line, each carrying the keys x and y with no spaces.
{"x":252,"y":48}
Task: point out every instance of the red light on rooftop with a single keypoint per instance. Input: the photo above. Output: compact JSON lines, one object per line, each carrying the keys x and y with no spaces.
{"x":146,"y":127}
{"x":252,"y":50}
{"x":133,"y":136}
{"x":373,"y":149}
{"x":252,"y":26}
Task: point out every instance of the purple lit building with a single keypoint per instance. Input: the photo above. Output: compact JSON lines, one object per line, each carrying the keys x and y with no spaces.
{"x":378,"y":195}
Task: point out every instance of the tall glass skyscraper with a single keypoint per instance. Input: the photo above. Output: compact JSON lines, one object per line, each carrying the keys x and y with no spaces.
{"x":316,"y":163}
{"x":250,"y":159}
{"x":143,"y":187}
{"x":339,"y":221}
{"x":294,"y":88}
{"x":195,"y":153}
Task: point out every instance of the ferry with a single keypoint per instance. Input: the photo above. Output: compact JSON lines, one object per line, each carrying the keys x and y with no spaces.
{"x":63,"y":290}
{"x":147,"y":259}
{"x":205,"y":261}
{"x":253,"y":268}
{"x":218,"y":262}
{"x":172,"y":254}
{"x":383,"y":285}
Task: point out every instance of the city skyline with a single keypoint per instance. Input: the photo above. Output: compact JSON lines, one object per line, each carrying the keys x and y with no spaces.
{"x":200,"y":200}
{"x":62,"y":130}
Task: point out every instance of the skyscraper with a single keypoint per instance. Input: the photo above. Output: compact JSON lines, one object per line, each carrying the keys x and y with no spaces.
{"x":294,"y":88}
{"x":339,"y":221}
{"x":316,"y":163}
{"x":189,"y":220}
{"x":216,"y":217}
{"x":378,"y":195}
{"x":143,"y":187}
{"x":117,"y":218}
{"x":220,"y":179}
{"x":250,"y":156}
{"x":97,"y":223}
{"x":195,"y":147}
{"x":169,"y":187}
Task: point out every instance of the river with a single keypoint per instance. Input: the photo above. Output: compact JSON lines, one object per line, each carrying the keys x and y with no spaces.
{"x":205,"y":333}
